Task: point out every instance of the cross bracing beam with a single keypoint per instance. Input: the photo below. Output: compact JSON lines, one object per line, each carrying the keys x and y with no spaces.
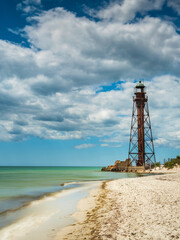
{"x":141,"y":147}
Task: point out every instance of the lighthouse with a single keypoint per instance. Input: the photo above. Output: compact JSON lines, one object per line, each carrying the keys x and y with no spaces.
{"x":141,"y":147}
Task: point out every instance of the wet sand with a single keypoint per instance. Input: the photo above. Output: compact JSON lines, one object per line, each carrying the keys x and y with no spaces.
{"x":139,"y":208}
{"x":42,"y":219}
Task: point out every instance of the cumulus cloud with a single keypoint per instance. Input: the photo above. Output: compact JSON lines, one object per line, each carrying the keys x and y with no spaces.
{"x":69,"y":51}
{"x":163,"y":92}
{"x":108,"y":145}
{"x":28,"y":6}
{"x":160,"y":141}
{"x":175,"y":4}
{"x":85,"y":145}
{"x":53,"y":90}
{"x":84,"y":112}
{"x":81,"y":51}
{"x":126,"y":10}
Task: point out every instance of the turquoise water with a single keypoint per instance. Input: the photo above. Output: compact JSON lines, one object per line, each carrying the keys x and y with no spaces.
{"x":21,"y":185}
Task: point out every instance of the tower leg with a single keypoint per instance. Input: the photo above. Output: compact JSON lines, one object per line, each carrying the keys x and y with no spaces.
{"x":141,"y":147}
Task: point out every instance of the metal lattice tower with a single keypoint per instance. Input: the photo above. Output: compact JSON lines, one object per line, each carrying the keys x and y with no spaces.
{"x":141,"y":147}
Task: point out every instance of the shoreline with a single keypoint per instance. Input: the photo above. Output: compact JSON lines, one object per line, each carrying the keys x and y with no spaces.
{"x":138,"y":208}
{"x":45,"y":215}
{"x":85,"y":207}
{"x":42,"y":218}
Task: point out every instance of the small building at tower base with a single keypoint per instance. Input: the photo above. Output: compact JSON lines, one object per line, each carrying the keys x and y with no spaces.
{"x":124,"y":166}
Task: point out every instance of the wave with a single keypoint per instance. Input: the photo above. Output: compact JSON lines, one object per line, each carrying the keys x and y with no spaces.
{"x":16,"y":203}
{"x":52,"y":211}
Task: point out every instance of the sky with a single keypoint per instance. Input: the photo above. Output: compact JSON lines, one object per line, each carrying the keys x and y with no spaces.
{"x":67,"y":75}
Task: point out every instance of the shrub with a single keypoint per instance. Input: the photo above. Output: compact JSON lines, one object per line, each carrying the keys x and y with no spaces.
{"x":172,"y":162}
{"x":157,"y":164}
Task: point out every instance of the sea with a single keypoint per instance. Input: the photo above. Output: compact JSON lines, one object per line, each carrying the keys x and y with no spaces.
{"x":35,"y":202}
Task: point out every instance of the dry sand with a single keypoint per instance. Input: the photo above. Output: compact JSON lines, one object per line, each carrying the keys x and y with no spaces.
{"x":132,"y":208}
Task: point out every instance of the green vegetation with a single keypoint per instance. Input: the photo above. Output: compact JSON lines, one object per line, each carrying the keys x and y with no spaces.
{"x":157,"y":164}
{"x":172,"y":162}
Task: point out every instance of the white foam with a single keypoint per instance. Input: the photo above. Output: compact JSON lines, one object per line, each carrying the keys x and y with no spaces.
{"x":41,"y":216}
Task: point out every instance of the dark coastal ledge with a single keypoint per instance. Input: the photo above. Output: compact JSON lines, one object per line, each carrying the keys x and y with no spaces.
{"x":132,"y":169}
{"x":126,"y":166}
{"x":123,"y":166}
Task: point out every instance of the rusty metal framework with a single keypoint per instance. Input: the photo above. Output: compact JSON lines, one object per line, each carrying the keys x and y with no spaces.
{"x":141,"y":147}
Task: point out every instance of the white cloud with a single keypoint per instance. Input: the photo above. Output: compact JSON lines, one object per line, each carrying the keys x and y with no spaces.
{"x":28,"y":6}
{"x":165,"y":109}
{"x":83,"y":52}
{"x":108,"y":145}
{"x":175,"y":4}
{"x":160,"y":141}
{"x":51,"y":90}
{"x":85,"y":145}
{"x":124,"y":11}
{"x":83,"y":112}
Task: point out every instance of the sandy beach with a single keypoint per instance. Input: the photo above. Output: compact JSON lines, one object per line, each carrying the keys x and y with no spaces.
{"x":132,"y":208}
